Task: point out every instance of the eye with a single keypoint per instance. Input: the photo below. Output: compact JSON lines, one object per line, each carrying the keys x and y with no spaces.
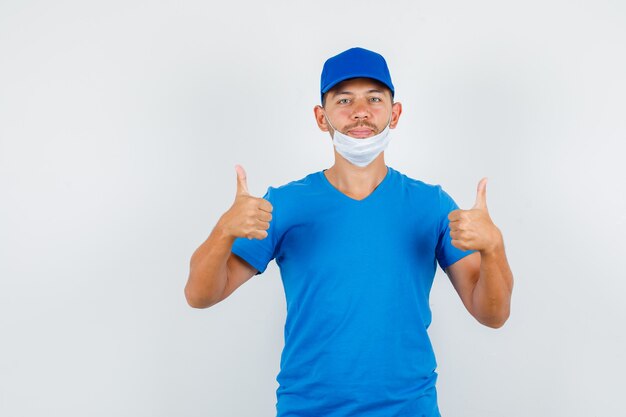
{"x":343,"y":101}
{"x":376,"y":99}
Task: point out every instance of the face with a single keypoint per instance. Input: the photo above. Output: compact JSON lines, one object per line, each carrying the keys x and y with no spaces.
{"x":359,"y":108}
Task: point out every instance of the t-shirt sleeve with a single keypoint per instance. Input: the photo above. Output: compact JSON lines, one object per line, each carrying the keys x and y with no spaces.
{"x":259,"y":252}
{"x":446,"y":253}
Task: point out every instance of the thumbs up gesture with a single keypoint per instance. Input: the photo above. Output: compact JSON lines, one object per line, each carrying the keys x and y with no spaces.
{"x":248,"y":216}
{"x":473,"y":229}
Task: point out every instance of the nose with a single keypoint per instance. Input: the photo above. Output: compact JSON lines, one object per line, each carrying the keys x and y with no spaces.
{"x":360,"y":110}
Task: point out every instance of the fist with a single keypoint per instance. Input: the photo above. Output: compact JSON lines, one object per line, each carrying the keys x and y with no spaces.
{"x":248,"y":216}
{"x":473,"y":229}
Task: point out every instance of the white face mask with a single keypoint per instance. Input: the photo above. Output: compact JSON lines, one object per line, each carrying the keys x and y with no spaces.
{"x":360,"y":152}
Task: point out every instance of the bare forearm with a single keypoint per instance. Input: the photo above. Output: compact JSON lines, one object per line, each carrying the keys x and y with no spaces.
{"x":248,"y":217}
{"x":208,"y":269}
{"x":492,"y":294}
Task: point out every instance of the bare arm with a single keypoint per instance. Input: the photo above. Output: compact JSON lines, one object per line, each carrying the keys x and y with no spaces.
{"x":214,"y":271}
{"x":208,"y":272}
{"x":483,"y":280}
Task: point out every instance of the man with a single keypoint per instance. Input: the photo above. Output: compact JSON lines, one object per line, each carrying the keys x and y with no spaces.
{"x":357,"y":245}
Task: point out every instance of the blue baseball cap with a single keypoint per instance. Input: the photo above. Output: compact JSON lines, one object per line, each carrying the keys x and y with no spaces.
{"x":355,"y":63}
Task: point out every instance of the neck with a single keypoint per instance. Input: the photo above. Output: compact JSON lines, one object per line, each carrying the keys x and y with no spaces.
{"x":355,"y":180}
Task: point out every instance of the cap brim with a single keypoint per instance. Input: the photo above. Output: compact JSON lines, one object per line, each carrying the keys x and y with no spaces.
{"x":355,"y":75}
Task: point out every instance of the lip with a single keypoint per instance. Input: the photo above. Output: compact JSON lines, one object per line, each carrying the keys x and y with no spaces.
{"x":360,"y":132}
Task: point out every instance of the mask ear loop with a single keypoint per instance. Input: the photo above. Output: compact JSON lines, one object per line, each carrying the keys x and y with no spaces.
{"x":329,"y":123}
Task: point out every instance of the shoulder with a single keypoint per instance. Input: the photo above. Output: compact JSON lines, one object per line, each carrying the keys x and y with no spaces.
{"x":295,"y":186}
{"x":294,"y":190}
{"x":431,"y":197}
{"x":417,"y":186}
{"x":299,"y":184}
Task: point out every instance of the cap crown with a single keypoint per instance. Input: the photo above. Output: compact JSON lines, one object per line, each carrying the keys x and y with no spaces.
{"x":355,"y":63}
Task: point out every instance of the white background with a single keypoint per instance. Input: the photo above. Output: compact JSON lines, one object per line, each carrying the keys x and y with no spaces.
{"x":121,"y":123}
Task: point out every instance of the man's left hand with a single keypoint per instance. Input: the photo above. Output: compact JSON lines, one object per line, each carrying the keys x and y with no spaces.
{"x":473,"y":228}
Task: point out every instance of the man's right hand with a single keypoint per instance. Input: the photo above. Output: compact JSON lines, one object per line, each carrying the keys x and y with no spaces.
{"x":248,"y":216}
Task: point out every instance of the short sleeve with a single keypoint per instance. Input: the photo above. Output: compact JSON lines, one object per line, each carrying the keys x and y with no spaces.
{"x":446,"y":253}
{"x":259,"y":252}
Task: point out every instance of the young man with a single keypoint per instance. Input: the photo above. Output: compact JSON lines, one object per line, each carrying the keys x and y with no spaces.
{"x":357,"y":245}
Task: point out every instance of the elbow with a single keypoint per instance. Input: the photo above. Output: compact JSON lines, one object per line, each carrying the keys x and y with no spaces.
{"x":495,"y":321}
{"x":197,"y":295}
{"x":492,"y":312}
{"x":194,"y":301}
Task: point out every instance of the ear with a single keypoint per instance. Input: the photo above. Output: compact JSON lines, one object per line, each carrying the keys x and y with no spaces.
{"x":320,"y":118}
{"x":396,"y":111}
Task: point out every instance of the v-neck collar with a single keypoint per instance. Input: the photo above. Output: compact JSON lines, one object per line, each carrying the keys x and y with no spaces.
{"x":379,"y":188}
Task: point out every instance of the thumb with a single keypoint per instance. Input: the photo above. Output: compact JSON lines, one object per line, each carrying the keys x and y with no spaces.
{"x":242,"y":182}
{"x":481,"y":195}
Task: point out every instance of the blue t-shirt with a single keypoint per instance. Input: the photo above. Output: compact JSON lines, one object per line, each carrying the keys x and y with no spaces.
{"x":357,"y":276}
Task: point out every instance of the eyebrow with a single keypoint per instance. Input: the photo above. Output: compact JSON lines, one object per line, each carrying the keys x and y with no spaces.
{"x":373,"y":90}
